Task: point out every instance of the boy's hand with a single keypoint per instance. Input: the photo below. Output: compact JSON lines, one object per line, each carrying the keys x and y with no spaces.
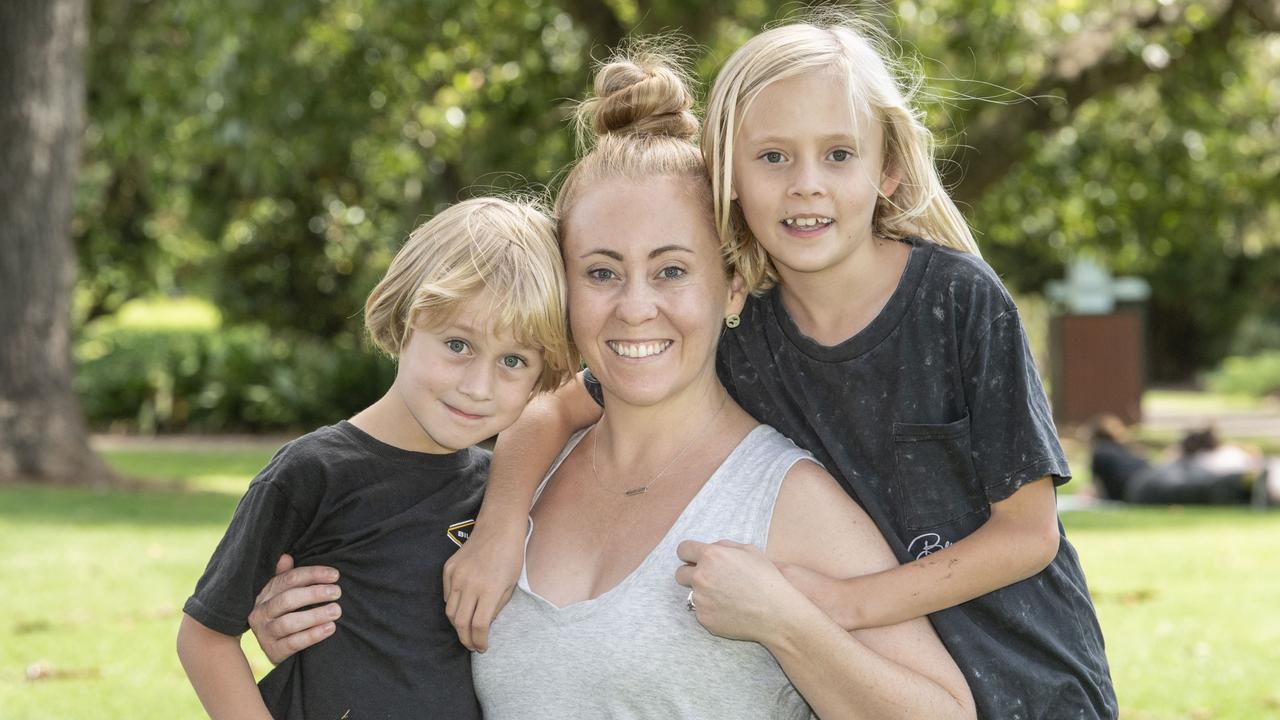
{"x":277,"y":624}
{"x":478,"y":581}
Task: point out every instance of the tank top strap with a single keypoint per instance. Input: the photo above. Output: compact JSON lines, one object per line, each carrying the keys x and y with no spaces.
{"x":737,"y":503}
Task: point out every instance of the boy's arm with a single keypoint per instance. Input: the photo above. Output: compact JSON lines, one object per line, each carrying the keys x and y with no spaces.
{"x":1019,"y":540}
{"x":219,"y":672}
{"x":479,"y":578}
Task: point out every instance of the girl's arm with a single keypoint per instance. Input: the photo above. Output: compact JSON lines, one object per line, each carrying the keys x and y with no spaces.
{"x":480,"y":576}
{"x":1019,"y":540}
{"x":219,"y":672}
{"x":901,"y":671}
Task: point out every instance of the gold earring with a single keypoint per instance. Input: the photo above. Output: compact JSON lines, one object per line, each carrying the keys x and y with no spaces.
{"x":732,"y":321}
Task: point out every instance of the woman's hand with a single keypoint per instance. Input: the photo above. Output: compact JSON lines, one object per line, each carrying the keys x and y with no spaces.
{"x":478,"y":581}
{"x":738,"y":592}
{"x":277,"y":622}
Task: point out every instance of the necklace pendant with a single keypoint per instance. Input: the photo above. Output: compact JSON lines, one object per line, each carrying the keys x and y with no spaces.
{"x":637,"y":491}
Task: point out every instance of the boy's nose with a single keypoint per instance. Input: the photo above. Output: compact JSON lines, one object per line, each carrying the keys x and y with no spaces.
{"x":477,"y":381}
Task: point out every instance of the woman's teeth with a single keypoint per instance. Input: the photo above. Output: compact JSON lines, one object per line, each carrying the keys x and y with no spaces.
{"x":638,"y":350}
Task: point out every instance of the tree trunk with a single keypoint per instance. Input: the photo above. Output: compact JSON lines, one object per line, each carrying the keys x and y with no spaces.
{"x":43,"y":437}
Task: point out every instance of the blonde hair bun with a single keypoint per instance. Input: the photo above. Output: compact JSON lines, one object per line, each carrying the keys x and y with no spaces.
{"x":637,"y":96}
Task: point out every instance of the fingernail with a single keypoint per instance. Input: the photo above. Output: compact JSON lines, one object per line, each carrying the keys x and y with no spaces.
{"x":332,"y":592}
{"x":331,"y":576}
{"x":327,"y":628}
{"x":334,"y":611}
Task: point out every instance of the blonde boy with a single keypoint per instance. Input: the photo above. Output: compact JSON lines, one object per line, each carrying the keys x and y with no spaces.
{"x":472,"y":307}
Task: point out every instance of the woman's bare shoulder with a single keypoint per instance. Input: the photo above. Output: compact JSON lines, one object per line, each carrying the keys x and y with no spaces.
{"x":816,"y":524}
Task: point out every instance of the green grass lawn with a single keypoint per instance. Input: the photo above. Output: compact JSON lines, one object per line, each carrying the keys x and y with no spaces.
{"x":94,"y":583}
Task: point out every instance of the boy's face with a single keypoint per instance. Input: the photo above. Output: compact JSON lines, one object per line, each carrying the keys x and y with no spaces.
{"x":462,"y":382}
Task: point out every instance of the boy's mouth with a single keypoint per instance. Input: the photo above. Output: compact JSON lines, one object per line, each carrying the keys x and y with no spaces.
{"x":636,"y":350}
{"x":461,"y":414}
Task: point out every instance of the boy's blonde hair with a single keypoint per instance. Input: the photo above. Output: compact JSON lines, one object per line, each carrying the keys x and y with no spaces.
{"x":637,"y":124}
{"x":505,"y":246}
{"x":832,"y":42}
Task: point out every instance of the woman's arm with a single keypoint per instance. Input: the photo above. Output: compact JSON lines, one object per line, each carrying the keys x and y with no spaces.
{"x":1017,"y":541}
{"x":219,"y":672}
{"x":900,"y":671}
{"x":480,"y":576}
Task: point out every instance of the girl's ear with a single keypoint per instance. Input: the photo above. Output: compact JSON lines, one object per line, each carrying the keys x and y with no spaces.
{"x":890,"y":178}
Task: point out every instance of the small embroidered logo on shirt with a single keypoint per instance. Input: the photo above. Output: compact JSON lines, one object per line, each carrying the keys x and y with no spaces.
{"x":460,"y":531}
{"x":926,"y":545}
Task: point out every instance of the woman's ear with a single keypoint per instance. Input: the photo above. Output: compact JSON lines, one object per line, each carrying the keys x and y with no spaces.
{"x":737,"y":295}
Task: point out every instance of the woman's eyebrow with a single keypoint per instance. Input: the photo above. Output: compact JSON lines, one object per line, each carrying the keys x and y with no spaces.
{"x":652,"y":254}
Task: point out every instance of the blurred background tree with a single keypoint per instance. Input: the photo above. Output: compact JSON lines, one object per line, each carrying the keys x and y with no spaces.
{"x":270,"y":157}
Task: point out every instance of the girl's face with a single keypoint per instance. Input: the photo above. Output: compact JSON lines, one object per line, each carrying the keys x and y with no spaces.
{"x":647,"y":289}
{"x":807,"y":171}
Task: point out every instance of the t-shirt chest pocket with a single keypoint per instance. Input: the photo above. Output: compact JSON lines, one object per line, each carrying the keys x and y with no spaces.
{"x":934,"y":469}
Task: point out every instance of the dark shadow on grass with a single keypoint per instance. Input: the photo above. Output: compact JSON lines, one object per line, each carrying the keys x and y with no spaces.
{"x":36,"y":505}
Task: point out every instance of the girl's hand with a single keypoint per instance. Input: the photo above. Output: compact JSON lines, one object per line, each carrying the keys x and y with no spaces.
{"x":478,"y":581}
{"x":277,"y":624}
{"x":738,"y":592}
{"x":833,"y":596}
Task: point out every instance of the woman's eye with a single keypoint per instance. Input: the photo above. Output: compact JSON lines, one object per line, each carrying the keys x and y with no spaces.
{"x":772,"y":157}
{"x":513,"y":362}
{"x":601,"y":274}
{"x":455,"y":345}
{"x":841,"y":155}
{"x":672,"y":273}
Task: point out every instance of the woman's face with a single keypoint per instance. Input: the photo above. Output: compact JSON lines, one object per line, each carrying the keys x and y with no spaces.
{"x":647,"y":289}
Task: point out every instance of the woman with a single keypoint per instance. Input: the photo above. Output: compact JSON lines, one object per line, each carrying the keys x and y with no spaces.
{"x":601,"y":623}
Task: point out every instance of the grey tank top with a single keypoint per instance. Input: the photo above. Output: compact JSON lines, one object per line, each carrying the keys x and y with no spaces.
{"x":635,"y":651}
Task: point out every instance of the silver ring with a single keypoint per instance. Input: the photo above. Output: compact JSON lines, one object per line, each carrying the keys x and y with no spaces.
{"x":688,"y":603}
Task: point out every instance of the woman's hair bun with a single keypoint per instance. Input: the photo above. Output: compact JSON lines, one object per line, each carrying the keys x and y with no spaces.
{"x":644,"y":95}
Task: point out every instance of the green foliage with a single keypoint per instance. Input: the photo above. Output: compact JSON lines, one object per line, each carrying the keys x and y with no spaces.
{"x":272,"y":156}
{"x":160,"y":377}
{"x":1256,"y":375}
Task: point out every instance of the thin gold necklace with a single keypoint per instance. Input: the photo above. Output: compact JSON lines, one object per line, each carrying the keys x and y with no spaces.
{"x":642,"y":489}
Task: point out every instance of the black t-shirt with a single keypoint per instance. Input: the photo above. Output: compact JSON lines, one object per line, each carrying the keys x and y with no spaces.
{"x":386,"y":519}
{"x":927,"y":416}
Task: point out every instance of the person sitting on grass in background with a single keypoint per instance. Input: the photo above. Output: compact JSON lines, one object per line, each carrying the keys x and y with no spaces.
{"x":1113,"y":463}
{"x":472,"y":308}
{"x":1204,"y":471}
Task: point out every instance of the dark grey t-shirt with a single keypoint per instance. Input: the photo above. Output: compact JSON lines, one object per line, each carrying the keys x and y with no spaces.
{"x":382,"y":516}
{"x":926,"y":417}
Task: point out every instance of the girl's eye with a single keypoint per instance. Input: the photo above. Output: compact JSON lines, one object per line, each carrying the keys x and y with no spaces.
{"x":672,"y":272}
{"x":456,"y":346}
{"x":772,"y":157}
{"x":841,"y":155}
{"x":514,"y":362}
{"x":601,"y":274}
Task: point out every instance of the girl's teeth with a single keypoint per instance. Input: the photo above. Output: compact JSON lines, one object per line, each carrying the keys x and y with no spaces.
{"x":807,"y":222}
{"x":639,"y":350}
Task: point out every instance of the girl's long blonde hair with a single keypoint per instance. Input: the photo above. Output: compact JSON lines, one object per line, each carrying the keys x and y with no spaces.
{"x":919,"y":207}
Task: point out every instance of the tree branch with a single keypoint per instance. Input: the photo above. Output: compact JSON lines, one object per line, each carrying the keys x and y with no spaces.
{"x":1090,"y":65}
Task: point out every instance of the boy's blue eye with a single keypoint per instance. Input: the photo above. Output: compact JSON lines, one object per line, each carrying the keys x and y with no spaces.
{"x":455,"y":345}
{"x":773,"y":156}
{"x":841,"y":155}
{"x":513,"y":362}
